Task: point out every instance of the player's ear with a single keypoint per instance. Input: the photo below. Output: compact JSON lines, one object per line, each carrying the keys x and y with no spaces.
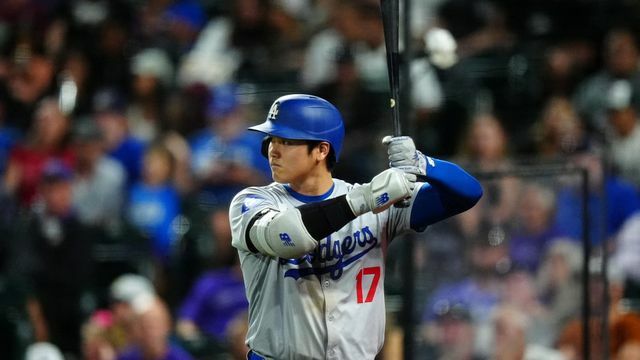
{"x":323,"y":150}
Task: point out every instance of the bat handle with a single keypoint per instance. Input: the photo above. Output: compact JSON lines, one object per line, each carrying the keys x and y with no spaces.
{"x":403,"y":204}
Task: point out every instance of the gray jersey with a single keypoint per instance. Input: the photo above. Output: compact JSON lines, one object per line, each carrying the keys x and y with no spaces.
{"x":328,"y":304}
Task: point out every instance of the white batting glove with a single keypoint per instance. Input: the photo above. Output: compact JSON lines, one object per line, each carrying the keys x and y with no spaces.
{"x":404,"y":156}
{"x":385,"y":189}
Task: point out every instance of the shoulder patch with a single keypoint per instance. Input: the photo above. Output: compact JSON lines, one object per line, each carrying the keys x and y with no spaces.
{"x":251,"y":201}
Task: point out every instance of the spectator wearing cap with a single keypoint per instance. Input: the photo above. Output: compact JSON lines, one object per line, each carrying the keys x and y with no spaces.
{"x":621,"y":62}
{"x":184,"y":19}
{"x":151,"y":333}
{"x":98,"y":188}
{"x":152,"y":72}
{"x":53,"y":255}
{"x":46,"y":140}
{"x":482,"y":289}
{"x":122,"y":293}
{"x":624,"y":140}
{"x":43,"y":351}
{"x":451,"y":334}
{"x":110,"y":106}
{"x":224,"y":156}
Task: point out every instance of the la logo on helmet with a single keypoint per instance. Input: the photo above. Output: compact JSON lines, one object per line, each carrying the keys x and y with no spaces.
{"x":273,"y":112}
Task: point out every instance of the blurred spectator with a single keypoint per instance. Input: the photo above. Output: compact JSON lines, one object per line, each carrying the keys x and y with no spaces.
{"x":154,"y":203}
{"x":99,"y":184}
{"x":535,"y":226}
{"x":481,"y":290}
{"x":152,"y":72}
{"x":520,"y":293}
{"x":97,"y":342}
{"x":76,"y":67}
{"x":485,"y":149}
{"x":629,"y":351}
{"x":30,"y":79}
{"x":122,"y":292}
{"x":571,"y":341}
{"x":225,"y":156}
{"x":559,"y":131}
{"x":624,"y":139}
{"x":236,"y":335}
{"x":9,"y":136}
{"x":215,"y":300}
{"x":510,"y":328}
{"x":111,"y":56}
{"x":151,"y":335}
{"x":179,"y":148}
{"x":626,"y":253}
{"x":324,"y":47}
{"x":18,"y":318}
{"x":183,"y":20}
{"x":452,"y":335}
{"x":619,"y":197}
{"x":621,"y":59}
{"x":109,"y":106}
{"x":558,"y":281}
{"x":47,"y":139}
{"x":54,"y":256}
{"x":363,"y":112}
{"x":43,"y":351}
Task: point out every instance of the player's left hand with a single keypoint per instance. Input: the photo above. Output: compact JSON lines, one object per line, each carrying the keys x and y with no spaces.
{"x":403,"y":155}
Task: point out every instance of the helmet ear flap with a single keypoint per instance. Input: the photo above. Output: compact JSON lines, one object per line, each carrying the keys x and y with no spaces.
{"x":264,"y":149}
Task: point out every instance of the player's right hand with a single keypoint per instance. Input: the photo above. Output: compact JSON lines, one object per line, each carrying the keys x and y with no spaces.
{"x":384,"y":190}
{"x":403,"y":155}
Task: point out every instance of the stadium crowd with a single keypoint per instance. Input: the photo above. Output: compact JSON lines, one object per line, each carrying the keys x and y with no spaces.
{"x":122,"y":142}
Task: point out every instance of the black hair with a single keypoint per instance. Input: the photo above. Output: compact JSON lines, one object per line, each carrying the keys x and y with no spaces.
{"x":311,"y":144}
{"x":331,"y":159}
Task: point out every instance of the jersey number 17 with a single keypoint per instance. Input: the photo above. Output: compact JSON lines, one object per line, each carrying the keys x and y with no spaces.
{"x":373,"y":285}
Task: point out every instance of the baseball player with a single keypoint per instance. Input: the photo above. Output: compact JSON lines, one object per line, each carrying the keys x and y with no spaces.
{"x":312,"y":247}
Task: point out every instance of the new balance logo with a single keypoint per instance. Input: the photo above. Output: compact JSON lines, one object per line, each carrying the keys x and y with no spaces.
{"x":382,"y":199}
{"x":286,"y":239}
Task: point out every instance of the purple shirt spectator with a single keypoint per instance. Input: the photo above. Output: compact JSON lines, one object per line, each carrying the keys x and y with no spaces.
{"x":173,"y":353}
{"x":527,"y":250}
{"x":217,"y":297}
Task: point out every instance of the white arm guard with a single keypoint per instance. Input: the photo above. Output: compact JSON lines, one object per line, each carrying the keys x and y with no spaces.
{"x":281,"y":234}
{"x":385,"y":189}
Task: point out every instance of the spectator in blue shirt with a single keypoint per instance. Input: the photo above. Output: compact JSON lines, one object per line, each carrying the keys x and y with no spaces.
{"x":225,"y":157}
{"x":154,"y":202}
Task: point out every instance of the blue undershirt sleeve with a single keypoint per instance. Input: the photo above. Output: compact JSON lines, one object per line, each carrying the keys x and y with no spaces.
{"x":448,"y":190}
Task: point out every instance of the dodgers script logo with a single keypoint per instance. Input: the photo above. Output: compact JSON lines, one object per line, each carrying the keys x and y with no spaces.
{"x":344,"y":251}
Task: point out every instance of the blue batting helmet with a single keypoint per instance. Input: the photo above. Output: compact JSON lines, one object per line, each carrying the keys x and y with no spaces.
{"x":304,"y":117}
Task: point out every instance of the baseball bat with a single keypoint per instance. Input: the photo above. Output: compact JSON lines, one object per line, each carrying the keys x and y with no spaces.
{"x":390,"y":11}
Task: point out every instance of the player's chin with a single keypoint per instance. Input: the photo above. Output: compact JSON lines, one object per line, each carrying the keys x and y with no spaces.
{"x":277,"y":175}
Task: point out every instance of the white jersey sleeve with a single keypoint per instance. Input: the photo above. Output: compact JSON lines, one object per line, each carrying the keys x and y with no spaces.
{"x":244,"y":208}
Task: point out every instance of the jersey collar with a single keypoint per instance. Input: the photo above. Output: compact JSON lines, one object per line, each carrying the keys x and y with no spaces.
{"x":309,"y":198}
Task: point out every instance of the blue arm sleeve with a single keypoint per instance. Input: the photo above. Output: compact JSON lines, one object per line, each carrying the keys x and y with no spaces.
{"x":449,"y":190}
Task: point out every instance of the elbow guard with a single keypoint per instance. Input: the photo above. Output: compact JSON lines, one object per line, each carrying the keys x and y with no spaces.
{"x":280,"y":234}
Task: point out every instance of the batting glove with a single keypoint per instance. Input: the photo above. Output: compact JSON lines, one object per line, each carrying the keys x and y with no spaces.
{"x":404,"y":156}
{"x":384,"y":190}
